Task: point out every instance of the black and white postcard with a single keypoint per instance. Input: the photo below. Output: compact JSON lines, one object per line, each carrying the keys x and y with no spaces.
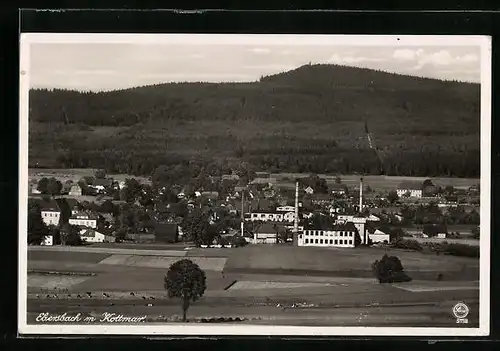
{"x":305,"y":185}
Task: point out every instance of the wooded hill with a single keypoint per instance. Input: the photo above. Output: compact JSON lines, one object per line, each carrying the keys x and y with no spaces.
{"x":307,"y":120}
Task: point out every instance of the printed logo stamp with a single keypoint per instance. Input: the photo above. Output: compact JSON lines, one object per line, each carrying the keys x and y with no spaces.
{"x":461,"y":311}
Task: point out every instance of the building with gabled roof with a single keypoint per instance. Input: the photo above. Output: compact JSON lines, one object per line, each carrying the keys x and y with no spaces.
{"x":414,"y":189}
{"x":340,"y":235}
{"x":91,"y":235}
{"x":50,"y":212}
{"x":84,"y":219}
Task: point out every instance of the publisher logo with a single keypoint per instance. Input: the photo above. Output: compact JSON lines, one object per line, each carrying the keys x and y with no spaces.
{"x":461,"y":311}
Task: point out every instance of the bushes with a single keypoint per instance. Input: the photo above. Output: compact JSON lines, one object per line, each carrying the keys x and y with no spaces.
{"x":407,"y":244}
{"x":461,"y":250}
{"x":237,"y":241}
{"x":389,"y":270}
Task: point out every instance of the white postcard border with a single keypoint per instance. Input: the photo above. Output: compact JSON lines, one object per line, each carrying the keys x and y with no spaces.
{"x":26,"y":39}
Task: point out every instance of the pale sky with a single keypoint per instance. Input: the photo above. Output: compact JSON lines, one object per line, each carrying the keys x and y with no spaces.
{"x":110,"y":66}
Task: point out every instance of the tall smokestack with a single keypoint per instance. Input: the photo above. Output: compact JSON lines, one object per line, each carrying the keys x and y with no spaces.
{"x":296,"y":220}
{"x":242,"y":211}
{"x":361,"y":195}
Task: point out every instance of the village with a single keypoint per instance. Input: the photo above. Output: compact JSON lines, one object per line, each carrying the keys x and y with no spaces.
{"x":300,"y":210}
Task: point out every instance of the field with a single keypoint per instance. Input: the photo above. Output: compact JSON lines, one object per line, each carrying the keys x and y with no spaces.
{"x":262,"y":284}
{"x":378,"y":183}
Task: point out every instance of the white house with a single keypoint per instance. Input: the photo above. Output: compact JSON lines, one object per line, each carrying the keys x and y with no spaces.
{"x":309,"y":190}
{"x":373,"y":218}
{"x":264,"y":238}
{"x":264,"y":216}
{"x":84,"y":219}
{"x":413,"y":189}
{"x":379,"y":237}
{"x":90,"y":235}
{"x":51,"y":214}
{"x":285,"y":208}
{"x":75,"y":190}
{"x":341,"y":235}
{"x":266,"y":234}
{"x":48,"y":240}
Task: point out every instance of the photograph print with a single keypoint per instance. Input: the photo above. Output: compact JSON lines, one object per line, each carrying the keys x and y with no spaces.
{"x":177,"y":184}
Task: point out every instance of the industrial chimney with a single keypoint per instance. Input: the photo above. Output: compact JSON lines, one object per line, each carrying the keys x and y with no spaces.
{"x":361,"y":195}
{"x":296,"y":219}
{"x":242,"y":213}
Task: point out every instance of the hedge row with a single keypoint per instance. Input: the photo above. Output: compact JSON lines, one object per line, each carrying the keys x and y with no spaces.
{"x":462,"y":250}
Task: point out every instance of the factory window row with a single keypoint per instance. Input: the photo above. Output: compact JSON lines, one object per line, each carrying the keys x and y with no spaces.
{"x":329,"y":241}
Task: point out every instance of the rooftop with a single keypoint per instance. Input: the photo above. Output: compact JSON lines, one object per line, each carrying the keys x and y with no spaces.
{"x":50,"y":205}
{"x":407,"y":185}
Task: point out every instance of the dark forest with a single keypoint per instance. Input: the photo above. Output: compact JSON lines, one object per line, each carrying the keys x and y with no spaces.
{"x":311,"y":119}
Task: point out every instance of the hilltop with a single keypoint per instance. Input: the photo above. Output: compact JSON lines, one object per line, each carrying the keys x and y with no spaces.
{"x":310,"y":119}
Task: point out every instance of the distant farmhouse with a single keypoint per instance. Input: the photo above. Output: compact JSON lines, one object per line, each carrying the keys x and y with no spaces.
{"x":413,"y":189}
{"x":337,"y":189}
{"x":91,"y":235}
{"x":75,"y":190}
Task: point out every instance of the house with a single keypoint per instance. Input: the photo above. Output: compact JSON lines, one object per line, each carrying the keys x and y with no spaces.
{"x":90,"y":235}
{"x":474,"y":190}
{"x":75,"y":190}
{"x":359,"y":221}
{"x":50,"y":211}
{"x":48,"y":240}
{"x":211,"y":195}
{"x":264,"y":216}
{"x":33,"y":187}
{"x":84,"y":219}
{"x":267,"y":234}
{"x":341,"y":235}
{"x":286,"y":208}
{"x":321,"y":199}
{"x":373,"y":218}
{"x":166,"y":232}
{"x":309,"y":190}
{"x":181,"y":194}
{"x":101,"y":184}
{"x":337,"y":189}
{"x":232,"y":176}
{"x":413,"y":189}
{"x":379,"y":236}
{"x":376,"y":235}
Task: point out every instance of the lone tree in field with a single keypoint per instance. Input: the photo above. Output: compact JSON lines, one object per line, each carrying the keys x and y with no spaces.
{"x":390,"y":270}
{"x":185,"y":279}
